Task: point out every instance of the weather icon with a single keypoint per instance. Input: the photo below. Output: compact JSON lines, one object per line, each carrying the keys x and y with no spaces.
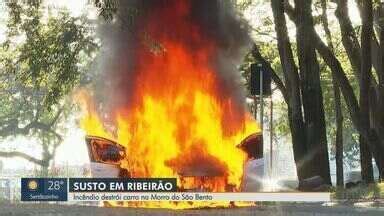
{"x":32,"y":185}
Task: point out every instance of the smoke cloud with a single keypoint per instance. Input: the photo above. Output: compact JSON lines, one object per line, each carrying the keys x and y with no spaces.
{"x":128,"y":33}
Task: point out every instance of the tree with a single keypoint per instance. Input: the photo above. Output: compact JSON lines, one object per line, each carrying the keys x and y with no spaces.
{"x":311,"y":90}
{"x":42,"y":60}
{"x":364,"y":113}
{"x":365,"y":82}
{"x":303,"y":92}
{"x":337,"y":101}
{"x":373,"y":135}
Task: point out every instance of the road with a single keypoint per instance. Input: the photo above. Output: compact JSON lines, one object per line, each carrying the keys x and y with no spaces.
{"x":261,"y":210}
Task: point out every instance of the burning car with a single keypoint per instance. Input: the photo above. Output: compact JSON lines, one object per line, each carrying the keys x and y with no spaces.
{"x":106,"y":157}
{"x":172,"y":101}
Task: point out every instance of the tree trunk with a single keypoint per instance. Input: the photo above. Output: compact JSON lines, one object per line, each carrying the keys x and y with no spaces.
{"x":348,"y":36}
{"x":44,"y":172}
{"x":378,"y":122}
{"x":352,"y":103}
{"x":365,"y":161}
{"x":295,"y":116}
{"x":374,"y":137}
{"x":311,"y":92}
{"x":365,"y":80}
{"x":339,"y":133}
{"x":339,"y":140}
{"x":338,"y":110}
{"x":381,"y":54}
{"x":374,"y":43}
{"x":381,"y":74}
{"x":370,"y":135}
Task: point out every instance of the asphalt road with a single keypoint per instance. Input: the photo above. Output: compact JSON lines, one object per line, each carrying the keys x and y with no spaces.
{"x":261,"y":210}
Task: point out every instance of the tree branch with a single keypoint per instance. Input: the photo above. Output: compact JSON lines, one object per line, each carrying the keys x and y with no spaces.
{"x":18,"y":154}
{"x":54,"y":120}
{"x":13,"y":128}
{"x":335,"y":65}
{"x":375,"y":46}
{"x":348,"y":36}
{"x":345,"y":87}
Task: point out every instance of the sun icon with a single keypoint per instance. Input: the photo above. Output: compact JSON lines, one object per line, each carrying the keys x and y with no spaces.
{"x":32,"y":185}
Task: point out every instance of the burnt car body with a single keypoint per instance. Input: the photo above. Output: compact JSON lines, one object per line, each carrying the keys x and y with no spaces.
{"x":106,"y":155}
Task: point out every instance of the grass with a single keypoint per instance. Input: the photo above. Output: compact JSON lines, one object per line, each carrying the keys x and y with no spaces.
{"x":361,"y":192}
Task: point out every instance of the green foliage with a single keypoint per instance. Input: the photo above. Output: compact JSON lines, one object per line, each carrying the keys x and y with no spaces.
{"x":350,"y":134}
{"x":47,"y":60}
{"x":362,"y":191}
{"x":44,"y":57}
{"x":244,"y":4}
{"x":107,"y":8}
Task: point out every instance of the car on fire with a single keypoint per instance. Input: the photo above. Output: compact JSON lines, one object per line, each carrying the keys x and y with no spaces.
{"x":106,"y":155}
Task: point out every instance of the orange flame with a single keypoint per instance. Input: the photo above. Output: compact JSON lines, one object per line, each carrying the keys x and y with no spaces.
{"x":181,"y":121}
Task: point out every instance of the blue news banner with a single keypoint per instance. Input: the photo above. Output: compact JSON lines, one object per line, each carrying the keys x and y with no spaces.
{"x":57,"y":189}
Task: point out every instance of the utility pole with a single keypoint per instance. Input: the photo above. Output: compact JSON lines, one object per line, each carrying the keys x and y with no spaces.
{"x":261,"y":98}
{"x":261,"y":104}
{"x":255,"y":107}
{"x":271,"y":136}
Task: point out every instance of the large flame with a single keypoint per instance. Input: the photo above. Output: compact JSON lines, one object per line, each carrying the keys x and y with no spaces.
{"x":182,"y":120}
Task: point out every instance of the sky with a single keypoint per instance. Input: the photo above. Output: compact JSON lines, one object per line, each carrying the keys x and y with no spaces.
{"x":73,"y":151}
